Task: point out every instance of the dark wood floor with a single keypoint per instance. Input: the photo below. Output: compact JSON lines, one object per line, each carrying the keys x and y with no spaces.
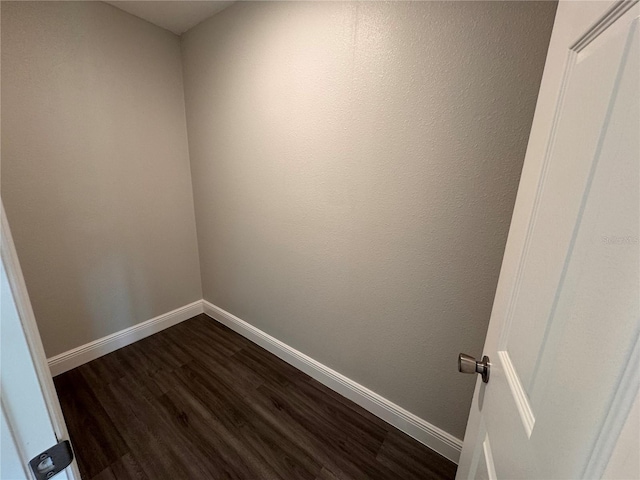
{"x":198,"y":401}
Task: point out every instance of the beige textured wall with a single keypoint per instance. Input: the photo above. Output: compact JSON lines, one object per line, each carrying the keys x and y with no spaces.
{"x":354,"y":169}
{"x":95,"y":168}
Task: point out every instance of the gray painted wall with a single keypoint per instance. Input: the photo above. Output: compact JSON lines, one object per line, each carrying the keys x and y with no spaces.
{"x":95,"y":168}
{"x":354,"y":171}
{"x":354,"y":168}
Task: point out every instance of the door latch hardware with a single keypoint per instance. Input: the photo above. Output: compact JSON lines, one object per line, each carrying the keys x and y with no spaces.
{"x":52,"y":461}
{"x":468,"y":364}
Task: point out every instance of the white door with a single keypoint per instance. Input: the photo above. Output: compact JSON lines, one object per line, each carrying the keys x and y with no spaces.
{"x":563,"y":337}
{"x":31,"y":420}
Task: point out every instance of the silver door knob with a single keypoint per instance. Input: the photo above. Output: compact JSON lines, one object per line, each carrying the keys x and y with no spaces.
{"x":468,"y":364}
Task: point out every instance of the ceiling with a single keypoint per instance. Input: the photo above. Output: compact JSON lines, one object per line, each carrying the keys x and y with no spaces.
{"x":175,"y":16}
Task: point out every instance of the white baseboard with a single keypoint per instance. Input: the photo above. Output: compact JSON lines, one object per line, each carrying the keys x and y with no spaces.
{"x":92,"y":350}
{"x":433,"y":437}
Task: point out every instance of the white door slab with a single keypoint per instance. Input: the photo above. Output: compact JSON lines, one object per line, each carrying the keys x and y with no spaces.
{"x":563,"y":336}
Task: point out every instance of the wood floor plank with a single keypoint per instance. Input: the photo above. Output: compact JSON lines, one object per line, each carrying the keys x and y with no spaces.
{"x":135,"y":358}
{"x":325,"y":417}
{"x":327,"y":392}
{"x":92,"y":430}
{"x":349,"y":418}
{"x":329,"y":446}
{"x":106,"y":474}
{"x":400,"y":453}
{"x":237,"y":375}
{"x":238,"y":416}
{"x":145,"y":406}
{"x":209,"y":437}
{"x":198,"y":401}
{"x":343,"y":446}
{"x":326,"y":474}
{"x":156,"y":453}
{"x":220,"y":335}
{"x":128,"y":468}
{"x":269,"y":365}
{"x":110,"y":368}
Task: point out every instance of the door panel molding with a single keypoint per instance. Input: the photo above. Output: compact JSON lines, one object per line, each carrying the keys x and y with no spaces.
{"x":520,"y":396}
{"x":608,"y":18}
{"x":621,"y":405}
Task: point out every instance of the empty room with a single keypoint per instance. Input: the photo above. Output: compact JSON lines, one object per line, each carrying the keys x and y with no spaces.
{"x":389,"y":240}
